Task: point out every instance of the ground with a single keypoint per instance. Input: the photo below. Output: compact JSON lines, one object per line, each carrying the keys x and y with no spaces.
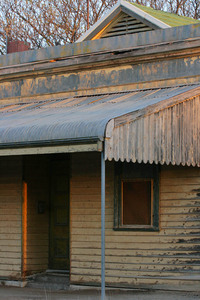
{"x":78,"y":293}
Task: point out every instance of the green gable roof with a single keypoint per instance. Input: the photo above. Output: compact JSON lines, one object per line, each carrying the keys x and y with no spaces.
{"x":128,"y":18}
{"x":168,"y":18}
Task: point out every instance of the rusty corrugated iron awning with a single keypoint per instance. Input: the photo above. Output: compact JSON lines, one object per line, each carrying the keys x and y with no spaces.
{"x":84,"y":119}
{"x":167,"y":132}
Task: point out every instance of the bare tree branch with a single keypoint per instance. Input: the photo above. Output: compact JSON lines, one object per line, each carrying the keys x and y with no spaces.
{"x":53,"y":22}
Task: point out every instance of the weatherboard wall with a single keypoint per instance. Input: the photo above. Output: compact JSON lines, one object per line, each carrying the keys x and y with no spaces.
{"x":10,"y":217}
{"x":168,"y":258}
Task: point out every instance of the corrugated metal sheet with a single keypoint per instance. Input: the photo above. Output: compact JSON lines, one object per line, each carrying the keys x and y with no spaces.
{"x":80,"y":118}
{"x":167,"y":133}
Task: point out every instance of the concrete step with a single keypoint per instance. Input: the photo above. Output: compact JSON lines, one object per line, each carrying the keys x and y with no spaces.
{"x":49,"y":280}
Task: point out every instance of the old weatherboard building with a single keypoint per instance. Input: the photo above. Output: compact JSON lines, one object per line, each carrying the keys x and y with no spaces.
{"x":127,"y":97}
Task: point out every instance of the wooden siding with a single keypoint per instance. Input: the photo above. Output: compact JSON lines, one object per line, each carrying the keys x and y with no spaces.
{"x":37,"y":179}
{"x":10,"y":217}
{"x":167,"y":133}
{"x":166,"y":259}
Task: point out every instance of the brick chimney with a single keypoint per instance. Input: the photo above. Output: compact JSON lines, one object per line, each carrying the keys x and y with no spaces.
{"x":17,"y":46}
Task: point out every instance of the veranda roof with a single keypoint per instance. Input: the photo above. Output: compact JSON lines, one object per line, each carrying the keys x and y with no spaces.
{"x":89,"y":119}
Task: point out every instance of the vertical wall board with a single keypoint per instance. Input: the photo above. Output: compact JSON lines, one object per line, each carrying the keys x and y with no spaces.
{"x":36,"y":175}
{"x":168,"y":258}
{"x":10,"y":217}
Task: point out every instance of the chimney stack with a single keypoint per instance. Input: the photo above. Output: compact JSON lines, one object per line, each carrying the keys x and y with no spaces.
{"x":17,"y":46}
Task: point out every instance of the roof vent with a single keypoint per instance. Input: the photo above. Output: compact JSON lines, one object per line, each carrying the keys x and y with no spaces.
{"x":125,"y":24}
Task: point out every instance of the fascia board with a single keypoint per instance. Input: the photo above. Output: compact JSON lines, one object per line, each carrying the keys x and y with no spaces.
{"x":99,"y":25}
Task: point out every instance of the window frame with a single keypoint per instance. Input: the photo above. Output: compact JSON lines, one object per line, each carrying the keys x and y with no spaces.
{"x":136,"y":172}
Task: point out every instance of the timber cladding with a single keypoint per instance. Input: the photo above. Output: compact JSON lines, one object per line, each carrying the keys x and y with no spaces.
{"x":166,"y":258}
{"x":10,"y":217}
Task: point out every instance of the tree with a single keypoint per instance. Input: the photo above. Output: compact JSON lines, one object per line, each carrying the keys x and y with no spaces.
{"x":56,"y":22}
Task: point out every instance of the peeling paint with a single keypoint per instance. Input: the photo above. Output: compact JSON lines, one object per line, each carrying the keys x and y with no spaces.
{"x":106,"y":77}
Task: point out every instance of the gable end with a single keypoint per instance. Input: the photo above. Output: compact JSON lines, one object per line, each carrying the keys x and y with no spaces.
{"x":123,"y":25}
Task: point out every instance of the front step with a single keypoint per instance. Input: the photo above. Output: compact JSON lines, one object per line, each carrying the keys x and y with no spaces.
{"x":49,"y":280}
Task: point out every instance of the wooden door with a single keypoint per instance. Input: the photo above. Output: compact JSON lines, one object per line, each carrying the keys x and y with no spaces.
{"x":59,"y":216}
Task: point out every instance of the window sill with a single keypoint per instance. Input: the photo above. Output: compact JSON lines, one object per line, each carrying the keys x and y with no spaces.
{"x":136,"y":228}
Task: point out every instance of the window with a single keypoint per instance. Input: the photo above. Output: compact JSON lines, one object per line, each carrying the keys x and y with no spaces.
{"x":136,"y":202}
{"x":136,"y":196}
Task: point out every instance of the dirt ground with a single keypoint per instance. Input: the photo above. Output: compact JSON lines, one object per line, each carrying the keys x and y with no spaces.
{"x":78,"y":293}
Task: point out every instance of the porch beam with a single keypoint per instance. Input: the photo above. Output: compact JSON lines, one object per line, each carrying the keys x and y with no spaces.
{"x":102,"y":225}
{"x":52,"y":149}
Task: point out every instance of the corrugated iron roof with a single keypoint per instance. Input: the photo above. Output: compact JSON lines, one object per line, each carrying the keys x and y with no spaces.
{"x":73,"y":118}
{"x":167,"y":132}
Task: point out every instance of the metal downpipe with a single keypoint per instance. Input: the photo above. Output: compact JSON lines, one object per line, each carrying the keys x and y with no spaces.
{"x":102,"y":225}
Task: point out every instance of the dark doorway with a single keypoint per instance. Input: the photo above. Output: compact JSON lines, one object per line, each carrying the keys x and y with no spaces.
{"x":59,"y":215}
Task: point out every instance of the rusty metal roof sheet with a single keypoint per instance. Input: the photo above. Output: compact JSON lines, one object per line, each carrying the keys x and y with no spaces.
{"x":167,"y":132}
{"x":73,"y":118}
